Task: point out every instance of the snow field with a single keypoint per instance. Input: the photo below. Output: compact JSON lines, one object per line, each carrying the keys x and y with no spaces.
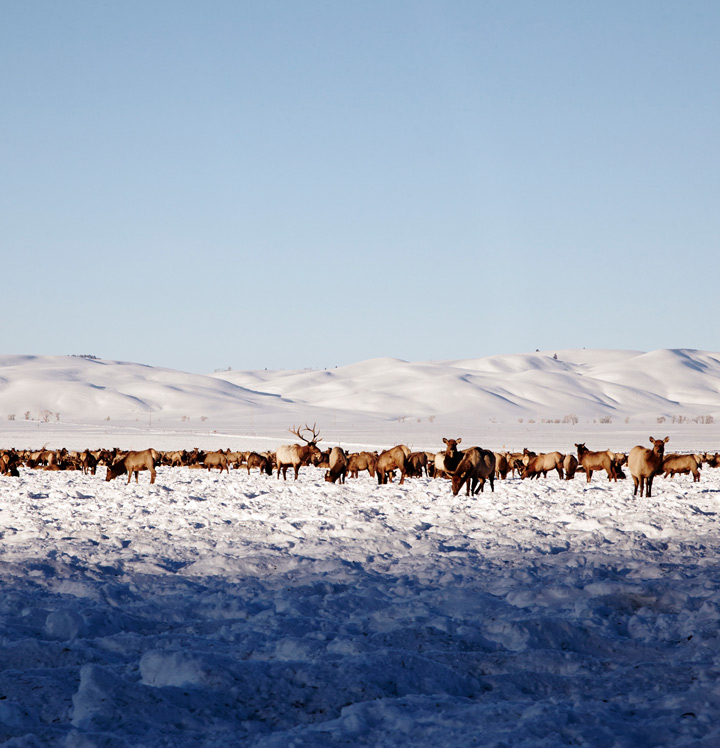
{"x":210,"y":610}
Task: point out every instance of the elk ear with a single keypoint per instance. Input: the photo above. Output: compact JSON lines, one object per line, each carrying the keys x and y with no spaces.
{"x":445,"y":440}
{"x":666,"y":440}
{"x":652,"y":440}
{"x":457,"y":441}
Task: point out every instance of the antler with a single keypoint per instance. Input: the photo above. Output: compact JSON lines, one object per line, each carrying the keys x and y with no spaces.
{"x":315,"y":434}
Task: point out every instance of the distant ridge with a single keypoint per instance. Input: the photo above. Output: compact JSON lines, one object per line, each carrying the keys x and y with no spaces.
{"x":542,"y":385}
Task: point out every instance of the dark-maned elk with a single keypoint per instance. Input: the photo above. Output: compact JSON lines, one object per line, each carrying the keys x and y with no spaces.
{"x":262,"y":462}
{"x":514,"y":460}
{"x":216,"y":460}
{"x":644,"y":464}
{"x":133,"y":462}
{"x":9,"y":461}
{"x":452,"y":454}
{"x":297,"y":455}
{"x":501,"y":465}
{"x":338,"y":464}
{"x":541,"y":464}
{"x":416,"y":464}
{"x":712,"y":461}
{"x":683,"y":464}
{"x":88,"y":462}
{"x":391,"y":460}
{"x":570,"y":465}
{"x":476,"y":466}
{"x":361,"y":461}
{"x":596,"y":461}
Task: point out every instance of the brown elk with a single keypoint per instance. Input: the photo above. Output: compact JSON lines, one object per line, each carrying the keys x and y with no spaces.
{"x":644,"y":464}
{"x":88,"y":462}
{"x":452,"y":454}
{"x":541,"y":464}
{"x":262,"y":462}
{"x":713,"y":460}
{"x":338,"y":464}
{"x":570,"y":465}
{"x":416,"y":464}
{"x":216,"y":460}
{"x":9,"y":462}
{"x":361,"y":461}
{"x":133,"y":462}
{"x":476,"y":466}
{"x":596,"y":461}
{"x":502,"y":467}
{"x":297,"y":455}
{"x":683,"y":464}
{"x":391,"y":460}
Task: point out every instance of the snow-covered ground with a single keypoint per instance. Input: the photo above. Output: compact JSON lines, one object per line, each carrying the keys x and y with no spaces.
{"x":239,"y":610}
{"x":223,"y":610}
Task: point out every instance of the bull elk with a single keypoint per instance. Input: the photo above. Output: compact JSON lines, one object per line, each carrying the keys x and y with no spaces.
{"x":644,"y":464}
{"x":297,"y":455}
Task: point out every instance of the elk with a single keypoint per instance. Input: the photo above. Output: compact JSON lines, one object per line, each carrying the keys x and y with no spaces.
{"x":712,"y":461}
{"x":361,"y":461}
{"x":416,"y":463}
{"x":502,"y":467}
{"x":391,"y":460}
{"x":296,"y":455}
{"x":596,"y":461}
{"x":216,"y":460}
{"x":570,"y":465}
{"x":476,"y":466}
{"x":644,"y":464}
{"x":452,"y":454}
{"x":541,"y":463}
{"x":88,"y":462}
{"x":133,"y":462}
{"x":683,"y":464}
{"x":338,"y":465}
{"x":262,"y":462}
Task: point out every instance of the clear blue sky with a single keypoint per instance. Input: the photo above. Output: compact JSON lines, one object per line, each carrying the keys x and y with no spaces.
{"x":298,"y":184}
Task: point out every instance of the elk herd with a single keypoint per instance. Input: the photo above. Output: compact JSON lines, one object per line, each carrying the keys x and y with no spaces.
{"x":472,"y":467}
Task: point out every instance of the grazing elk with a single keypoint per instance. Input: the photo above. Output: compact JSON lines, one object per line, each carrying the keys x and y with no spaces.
{"x":262,"y":462}
{"x":502,"y":467}
{"x":540,"y":464}
{"x":391,"y":460}
{"x":570,"y":465}
{"x":713,"y":460}
{"x":476,"y":466}
{"x":416,"y":464}
{"x":297,"y":455}
{"x":596,"y":461}
{"x":644,"y":464}
{"x":338,"y":464}
{"x":133,"y":462}
{"x":683,"y":464}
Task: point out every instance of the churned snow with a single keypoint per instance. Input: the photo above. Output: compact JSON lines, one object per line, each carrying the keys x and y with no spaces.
{"x":241,"y":610}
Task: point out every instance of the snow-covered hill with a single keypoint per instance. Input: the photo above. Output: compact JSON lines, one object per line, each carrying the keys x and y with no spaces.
{"x":506,"y":388}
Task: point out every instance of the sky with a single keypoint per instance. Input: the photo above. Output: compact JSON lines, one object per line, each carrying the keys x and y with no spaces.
{"x":291,"y":185}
